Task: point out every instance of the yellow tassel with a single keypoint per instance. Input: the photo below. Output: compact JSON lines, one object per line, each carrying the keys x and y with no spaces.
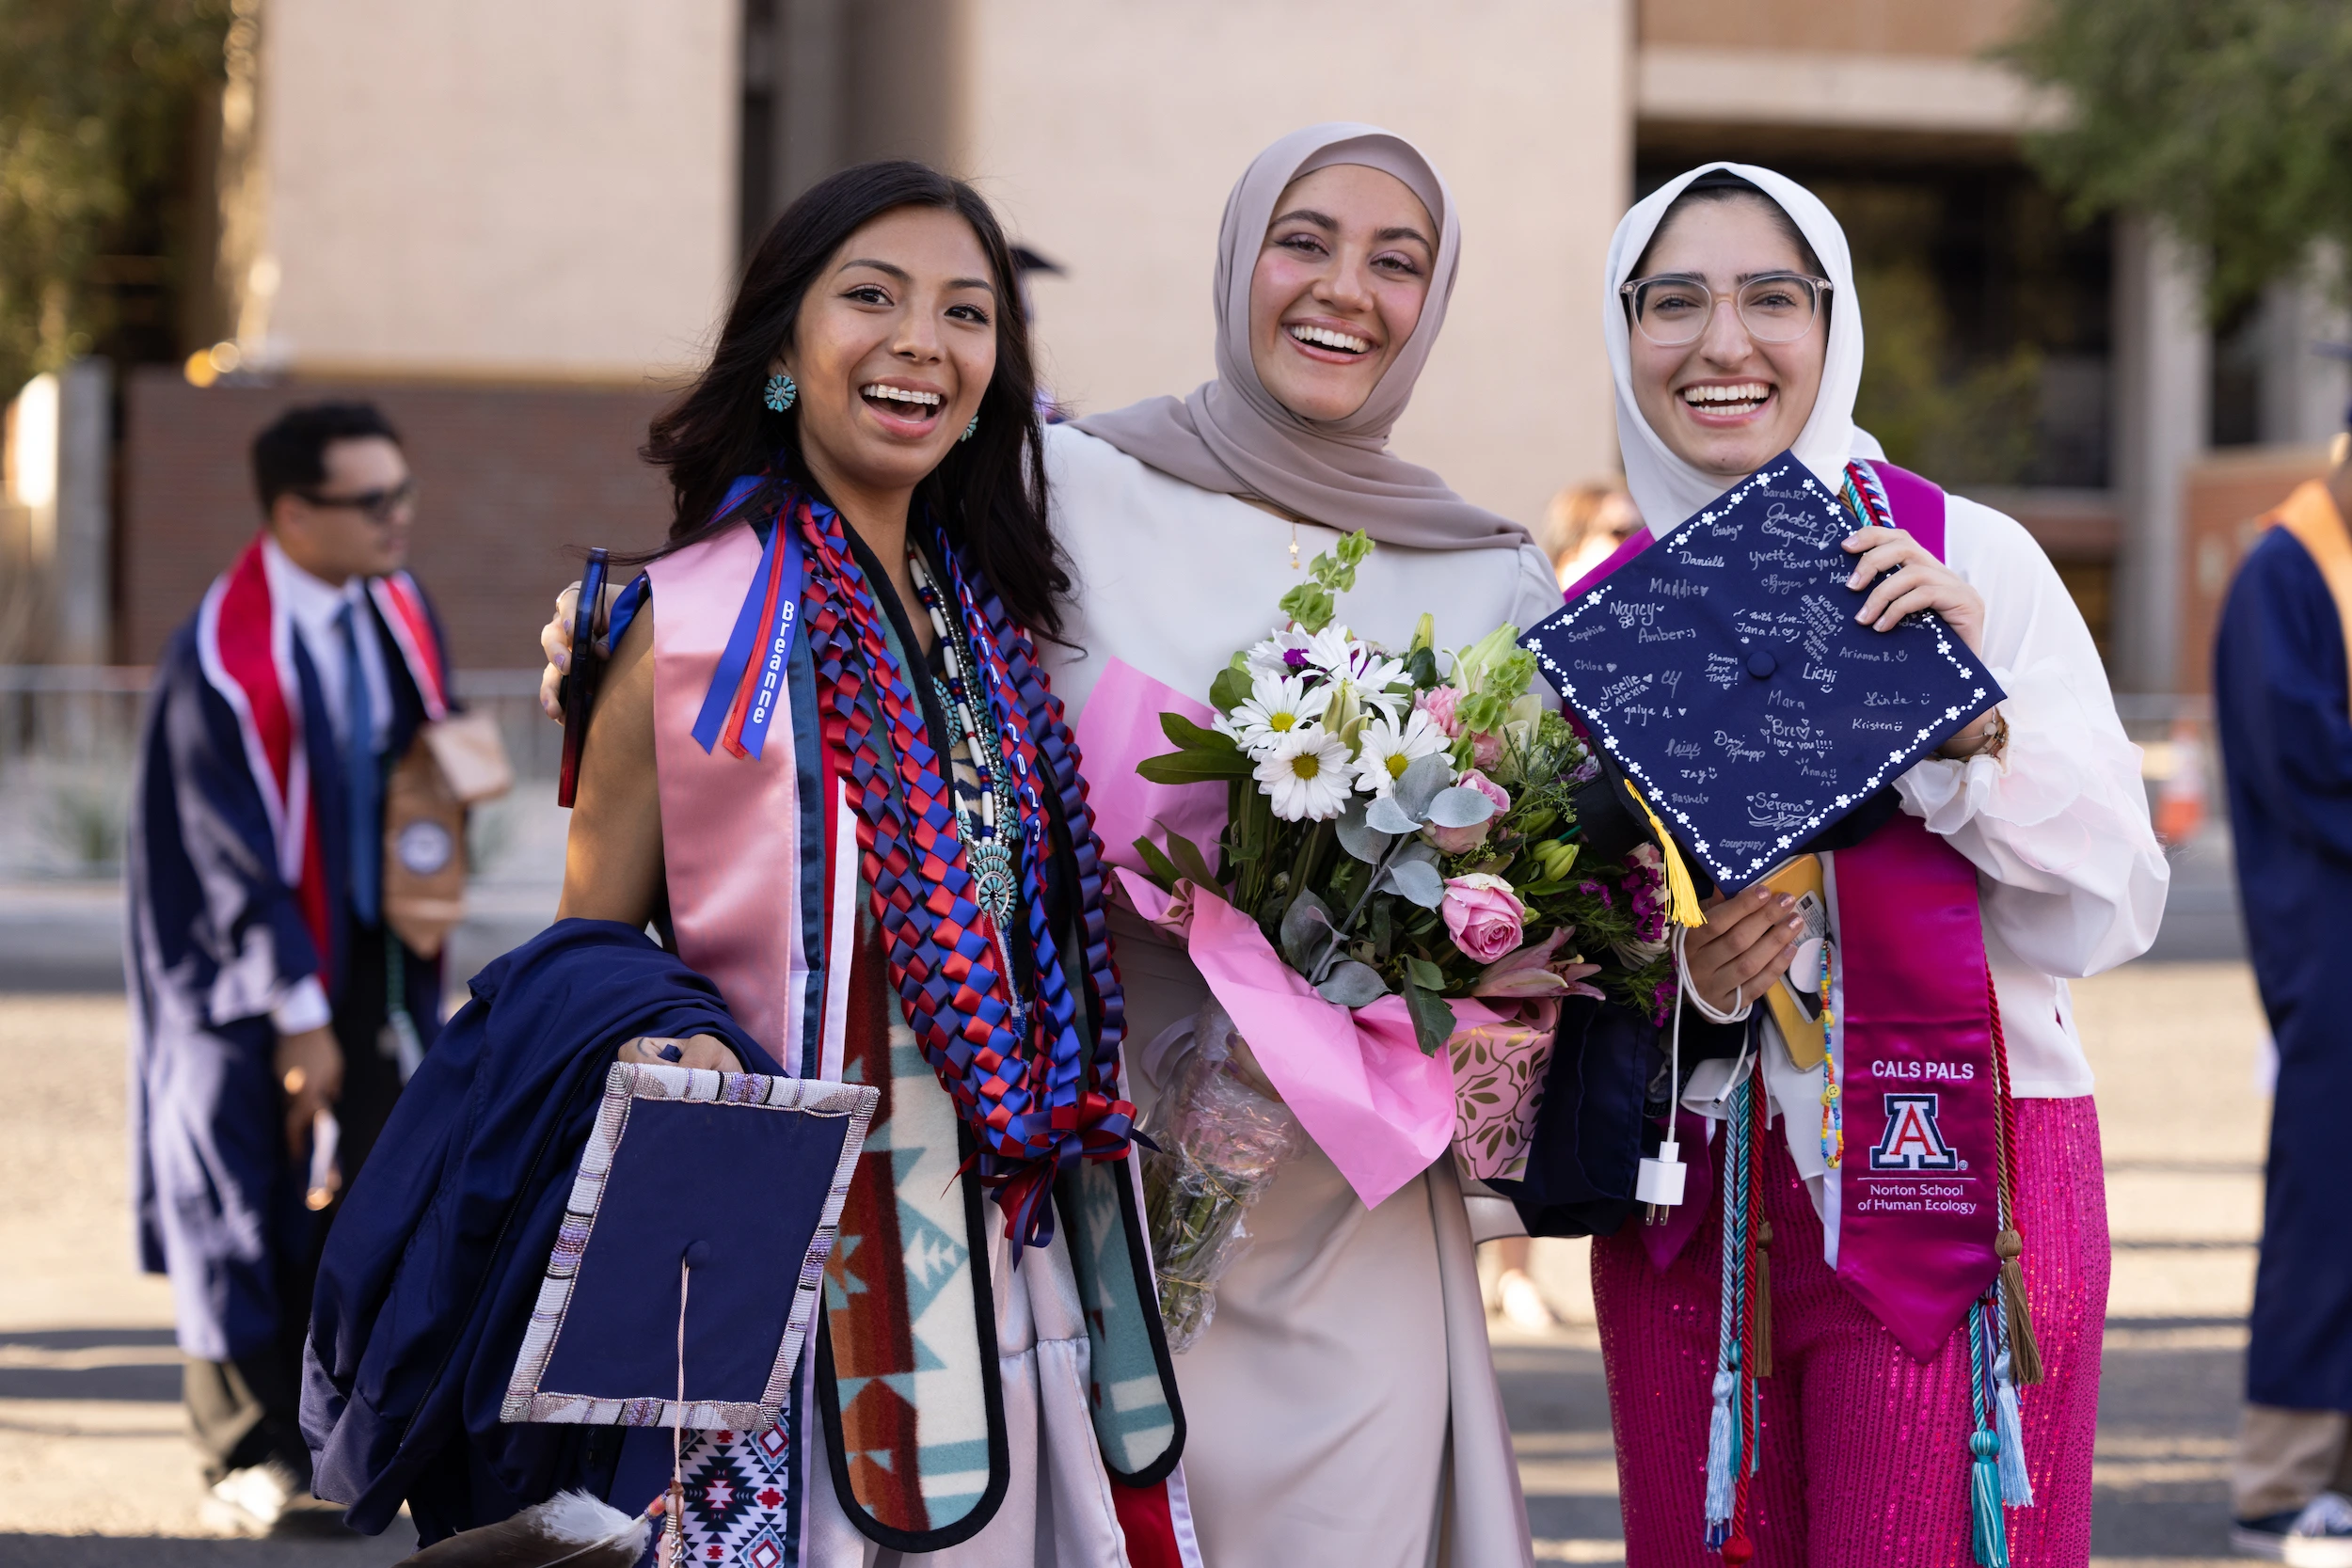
{"x":2025,"y":1356}
{"x":1764,"y":1298}
{"x":1682,"y":895}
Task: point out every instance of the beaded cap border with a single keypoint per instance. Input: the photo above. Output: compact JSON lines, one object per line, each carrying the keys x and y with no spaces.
{"x":1898,"y":759}
{"x":623,"y":1086}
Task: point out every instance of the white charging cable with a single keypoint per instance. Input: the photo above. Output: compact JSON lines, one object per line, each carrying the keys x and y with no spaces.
{"x":1658,"y":1186}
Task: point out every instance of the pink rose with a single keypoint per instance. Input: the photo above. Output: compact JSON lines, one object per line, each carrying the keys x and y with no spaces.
{"x":1439,"y":703}
{"x":1486,"y":748}
{"x":1461,"y":841}
{"x":1484,"y":916}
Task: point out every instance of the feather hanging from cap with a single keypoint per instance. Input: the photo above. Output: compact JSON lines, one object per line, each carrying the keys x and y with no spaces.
{"x":571,"y":1528}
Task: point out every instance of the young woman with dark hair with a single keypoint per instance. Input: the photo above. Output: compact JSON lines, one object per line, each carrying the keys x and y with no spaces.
{"x":824,"y":764}
{"x":1923,"y":1386}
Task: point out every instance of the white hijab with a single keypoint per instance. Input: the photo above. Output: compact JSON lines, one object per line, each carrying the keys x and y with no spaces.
{"x":1665,"y":488}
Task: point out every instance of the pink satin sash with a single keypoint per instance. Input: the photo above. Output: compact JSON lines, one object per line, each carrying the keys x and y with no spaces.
{"x":730,"y":844}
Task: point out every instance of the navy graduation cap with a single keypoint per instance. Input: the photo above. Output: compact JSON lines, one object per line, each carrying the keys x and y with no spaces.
{"x":656,"y":1291}
{"x":1723,"y":668}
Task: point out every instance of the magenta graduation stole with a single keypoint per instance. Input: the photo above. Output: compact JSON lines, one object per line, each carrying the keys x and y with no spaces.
{"x":1917,"y":1191}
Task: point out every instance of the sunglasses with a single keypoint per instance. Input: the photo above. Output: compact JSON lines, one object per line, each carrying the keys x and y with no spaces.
{"x":380,"y":505}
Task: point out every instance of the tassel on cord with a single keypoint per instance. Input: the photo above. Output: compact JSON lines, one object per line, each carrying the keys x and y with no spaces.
{"x":1720,"y":1458}
{"x":1990,"y":1536}
{"x":1682,"y":895}
{"x":1763,"y":1297}
{"x":1989,"y":1532}
{"x":2019,"y":1318}
{"x":2016,"y":1485}
{"x":2009,"y":1245}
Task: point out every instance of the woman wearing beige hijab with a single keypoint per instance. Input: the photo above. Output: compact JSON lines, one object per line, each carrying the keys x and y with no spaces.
{"x":1342,"y":1408}
{"x":1348,"y":1354}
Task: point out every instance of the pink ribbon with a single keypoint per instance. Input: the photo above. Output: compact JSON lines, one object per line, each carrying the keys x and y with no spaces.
{"x":1119,"y":727}
{"x":1355,"y":1078}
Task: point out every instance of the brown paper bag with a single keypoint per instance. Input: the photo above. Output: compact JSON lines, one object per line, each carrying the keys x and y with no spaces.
{"x":424,"y":852}
{"x":472,"y":757}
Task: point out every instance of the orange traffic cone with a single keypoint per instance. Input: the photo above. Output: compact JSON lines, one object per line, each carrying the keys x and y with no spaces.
{"x":2181,"y":800}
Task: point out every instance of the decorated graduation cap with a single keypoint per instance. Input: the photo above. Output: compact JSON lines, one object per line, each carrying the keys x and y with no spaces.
{"x":658,"y":1310}
{"x":1722,"y":669}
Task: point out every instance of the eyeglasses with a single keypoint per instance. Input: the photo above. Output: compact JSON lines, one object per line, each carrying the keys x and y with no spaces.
{"x":1776,"y":307}
{"x":381,"y":505}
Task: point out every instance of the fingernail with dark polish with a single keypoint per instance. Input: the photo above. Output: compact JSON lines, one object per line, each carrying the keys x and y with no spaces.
{"x":671,"y":1053}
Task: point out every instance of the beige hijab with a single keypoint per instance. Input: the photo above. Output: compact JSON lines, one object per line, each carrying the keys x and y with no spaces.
{"x":1232,"y":437}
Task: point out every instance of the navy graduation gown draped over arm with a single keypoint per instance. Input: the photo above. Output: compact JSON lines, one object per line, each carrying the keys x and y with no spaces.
{"x":2281,"y":703}
{"x":430,"y":1269}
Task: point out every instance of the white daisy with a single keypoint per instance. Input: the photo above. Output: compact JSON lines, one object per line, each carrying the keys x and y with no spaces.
{"x":1383,"y":751}
{"x":1352,"y":663}
{"x":1337,"y":650}
{"x":1283,"y":653}
{"x":1276,"y":705}
{"x":1306,"y":776}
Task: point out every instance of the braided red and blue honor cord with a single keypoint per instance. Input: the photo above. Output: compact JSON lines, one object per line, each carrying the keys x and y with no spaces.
{"x":1023,"y":1080}
{"x":1087,"y":1117}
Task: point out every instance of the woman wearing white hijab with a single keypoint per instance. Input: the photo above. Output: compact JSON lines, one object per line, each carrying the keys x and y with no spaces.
{"x":1735,"y":333}
{"x":1342,"y":1408}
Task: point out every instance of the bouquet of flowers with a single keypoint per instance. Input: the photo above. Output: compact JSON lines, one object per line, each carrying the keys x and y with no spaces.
{"x":1400,"y":829}
{"x":1403,"y":823}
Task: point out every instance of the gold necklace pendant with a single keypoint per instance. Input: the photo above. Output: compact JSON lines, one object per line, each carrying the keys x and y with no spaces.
{"x":1294,"y":544}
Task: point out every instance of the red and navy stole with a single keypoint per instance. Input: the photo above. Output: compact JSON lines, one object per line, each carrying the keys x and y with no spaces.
{"x":245,"y":642}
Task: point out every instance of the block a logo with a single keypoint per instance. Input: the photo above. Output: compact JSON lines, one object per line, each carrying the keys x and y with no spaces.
{"x":1914,"y":1140}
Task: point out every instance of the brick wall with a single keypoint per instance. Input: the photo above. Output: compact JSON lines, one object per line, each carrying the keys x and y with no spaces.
{"x":510,"y":481}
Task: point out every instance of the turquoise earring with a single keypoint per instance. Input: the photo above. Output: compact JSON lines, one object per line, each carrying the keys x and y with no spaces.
{"x":781,"y":391}
{"x":969,"y":429}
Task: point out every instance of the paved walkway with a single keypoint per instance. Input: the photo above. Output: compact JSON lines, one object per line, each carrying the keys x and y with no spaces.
{"x":94,"y":1470}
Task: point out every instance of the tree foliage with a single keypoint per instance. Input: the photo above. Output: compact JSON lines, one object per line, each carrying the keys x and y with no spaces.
{"x":2230,"y":118}
{"x":96,"y":100}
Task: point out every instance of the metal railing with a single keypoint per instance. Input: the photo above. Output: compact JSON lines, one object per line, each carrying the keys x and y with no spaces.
{"x":68,"y":750}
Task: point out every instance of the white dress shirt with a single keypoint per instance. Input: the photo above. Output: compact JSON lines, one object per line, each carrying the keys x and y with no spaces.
{"x":312,"y":604}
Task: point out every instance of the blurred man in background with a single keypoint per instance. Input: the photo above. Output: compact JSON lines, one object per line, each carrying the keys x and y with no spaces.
{"x":2285,"y":715}
{"x":272,"y":1006}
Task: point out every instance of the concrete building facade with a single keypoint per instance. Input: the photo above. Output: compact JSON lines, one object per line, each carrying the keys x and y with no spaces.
{"x":539,"y":196}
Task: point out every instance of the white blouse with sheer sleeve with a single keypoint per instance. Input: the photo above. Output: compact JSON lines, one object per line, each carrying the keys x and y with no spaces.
{"x":2073,"y":881}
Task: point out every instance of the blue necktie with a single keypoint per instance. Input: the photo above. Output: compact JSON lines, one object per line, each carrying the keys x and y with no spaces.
{"x":362,"y":785}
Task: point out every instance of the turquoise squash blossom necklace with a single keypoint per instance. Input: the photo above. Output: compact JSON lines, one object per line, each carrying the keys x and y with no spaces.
{"x":971,"y":729}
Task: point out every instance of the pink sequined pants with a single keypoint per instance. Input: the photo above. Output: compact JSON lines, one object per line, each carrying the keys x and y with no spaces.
{"x":1865,"y":1450}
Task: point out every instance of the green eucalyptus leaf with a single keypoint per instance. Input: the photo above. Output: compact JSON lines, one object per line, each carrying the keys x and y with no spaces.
{"x":1460,"y":807}
{"x":1418,"y":881}
{"x":1358,"y":838}
{"x":1433,"y":1021}
{"x":1353,"y":985}
{"x":1420,"y":785}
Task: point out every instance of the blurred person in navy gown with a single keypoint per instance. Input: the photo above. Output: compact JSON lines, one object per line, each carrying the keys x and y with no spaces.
{"x":268,"y":1025}
{"x":2281,"y":703}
